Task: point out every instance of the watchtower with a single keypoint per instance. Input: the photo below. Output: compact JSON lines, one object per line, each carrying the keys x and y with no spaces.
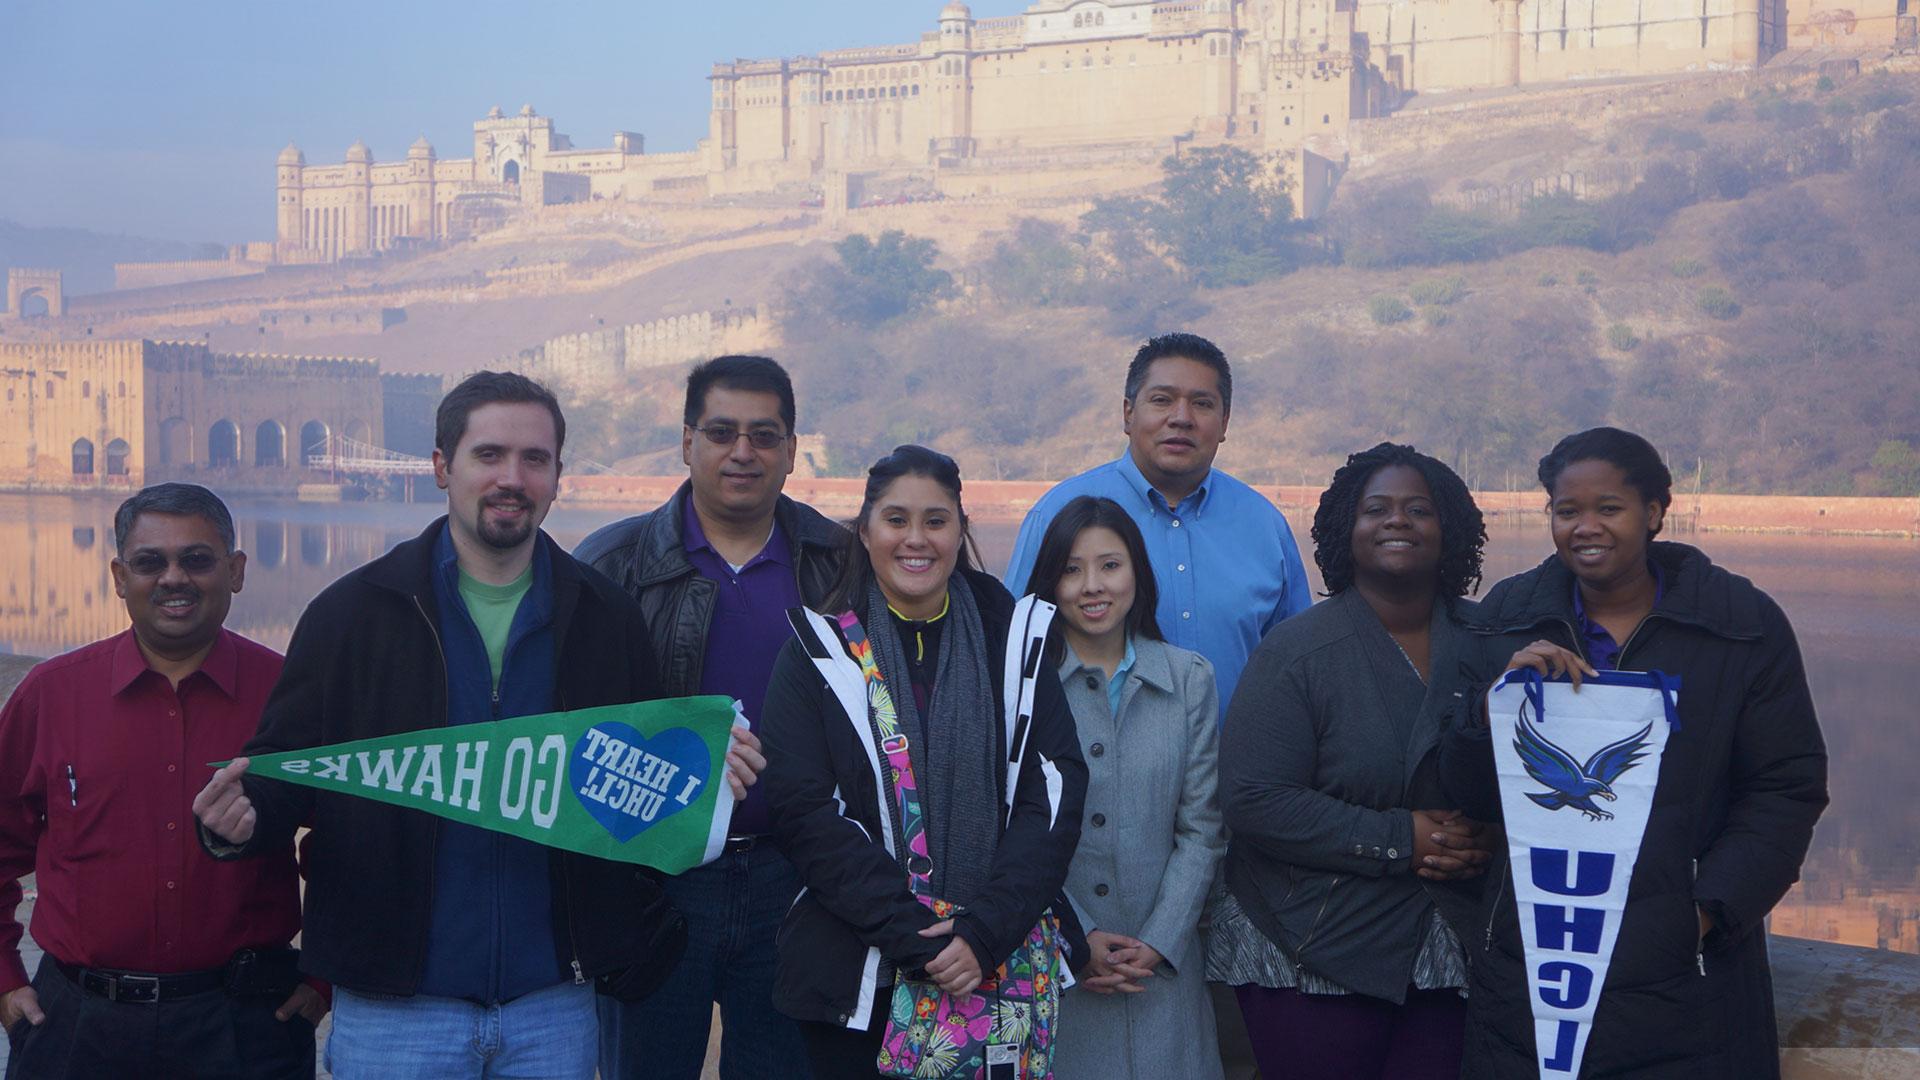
{"x":23,"y":285}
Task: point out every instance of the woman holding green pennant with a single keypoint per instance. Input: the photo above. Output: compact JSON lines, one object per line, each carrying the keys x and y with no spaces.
{"x":926,"y":781}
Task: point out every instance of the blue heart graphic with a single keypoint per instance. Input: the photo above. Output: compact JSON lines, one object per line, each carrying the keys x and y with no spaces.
{"x":627,"y":792}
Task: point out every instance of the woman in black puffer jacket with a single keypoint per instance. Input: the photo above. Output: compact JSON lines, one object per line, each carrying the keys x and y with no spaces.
{"x":1743,"y":779}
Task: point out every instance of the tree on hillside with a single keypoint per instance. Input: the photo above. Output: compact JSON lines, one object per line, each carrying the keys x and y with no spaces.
{"x":875,"y":279}
{"x":1223,"y":215}
{"x":1128,"y":273}
{"x":1227,"y":216}
{"x":1040,"y":264}
{"x":1786,"y":236}
{"x":1896,"y":468}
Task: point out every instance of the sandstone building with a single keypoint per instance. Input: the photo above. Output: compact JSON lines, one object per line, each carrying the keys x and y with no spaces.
{"x":1064,"y":78}
{"x":86,"y":415}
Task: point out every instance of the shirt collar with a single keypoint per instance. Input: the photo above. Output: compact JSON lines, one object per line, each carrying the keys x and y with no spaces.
{"x":1145,"y":659}
{"x":221,"y":665}
{"x":1193,"y":504}
{"x":694,"y":538}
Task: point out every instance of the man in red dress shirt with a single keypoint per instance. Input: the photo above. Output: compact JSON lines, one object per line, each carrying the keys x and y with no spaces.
{"x":159,"y":961}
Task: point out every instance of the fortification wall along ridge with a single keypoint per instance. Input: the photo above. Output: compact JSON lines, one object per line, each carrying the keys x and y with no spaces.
{"x":602,"y":357}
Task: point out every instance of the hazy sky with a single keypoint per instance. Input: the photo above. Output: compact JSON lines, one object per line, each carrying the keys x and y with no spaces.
{"x":162,"y":117}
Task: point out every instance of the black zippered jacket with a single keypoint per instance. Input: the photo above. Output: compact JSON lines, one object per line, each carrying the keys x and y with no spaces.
{"x":1742,"y":781}
{"x":827,"y":807}
{"x":365,"y":660}
{"x":647,"y":556}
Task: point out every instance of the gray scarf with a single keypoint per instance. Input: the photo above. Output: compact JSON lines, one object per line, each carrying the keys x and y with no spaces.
{"x":954,"y":750}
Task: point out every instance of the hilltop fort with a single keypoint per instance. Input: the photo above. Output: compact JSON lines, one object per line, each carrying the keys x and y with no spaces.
{"x":975,"y":101}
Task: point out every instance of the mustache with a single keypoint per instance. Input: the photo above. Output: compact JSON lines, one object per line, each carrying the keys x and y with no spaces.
{"x":160,"y":595}
{"x":515,"y":502}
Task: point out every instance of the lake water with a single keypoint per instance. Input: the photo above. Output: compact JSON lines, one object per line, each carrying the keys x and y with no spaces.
{"x":1855,"y":603}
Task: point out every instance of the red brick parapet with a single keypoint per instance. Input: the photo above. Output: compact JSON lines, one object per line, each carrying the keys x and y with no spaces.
{"x":1009,"y":500}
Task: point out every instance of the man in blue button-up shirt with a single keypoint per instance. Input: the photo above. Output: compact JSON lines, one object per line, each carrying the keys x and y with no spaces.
{"x":1225,"y":561}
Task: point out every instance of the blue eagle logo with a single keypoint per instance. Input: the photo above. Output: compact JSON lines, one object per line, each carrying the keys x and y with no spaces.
{"x":1574,"y":784}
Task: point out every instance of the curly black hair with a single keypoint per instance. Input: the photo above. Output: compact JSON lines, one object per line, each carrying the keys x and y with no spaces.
{"x":1463,"y":532}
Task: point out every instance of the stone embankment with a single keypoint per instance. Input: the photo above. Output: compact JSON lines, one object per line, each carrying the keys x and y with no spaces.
{"x":1010,"y":499}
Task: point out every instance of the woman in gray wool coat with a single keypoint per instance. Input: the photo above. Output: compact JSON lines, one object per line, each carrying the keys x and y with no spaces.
{"x":1151,"y":839}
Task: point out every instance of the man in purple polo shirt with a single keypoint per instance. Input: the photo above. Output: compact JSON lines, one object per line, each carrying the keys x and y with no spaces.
{"x":715,"y":570}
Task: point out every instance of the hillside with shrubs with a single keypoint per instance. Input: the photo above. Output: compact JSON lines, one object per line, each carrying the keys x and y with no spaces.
{"x":1746,"y":302}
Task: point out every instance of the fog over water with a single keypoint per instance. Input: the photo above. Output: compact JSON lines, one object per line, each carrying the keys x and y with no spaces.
{"x":1854,"y":601}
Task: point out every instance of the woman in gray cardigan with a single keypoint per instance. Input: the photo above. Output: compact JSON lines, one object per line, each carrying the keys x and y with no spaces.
{"x":1151,"y":838}
{"x":1345,"y":871}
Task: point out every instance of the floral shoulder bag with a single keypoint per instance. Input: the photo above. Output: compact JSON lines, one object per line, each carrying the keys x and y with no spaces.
{"x":1004,"y":1031}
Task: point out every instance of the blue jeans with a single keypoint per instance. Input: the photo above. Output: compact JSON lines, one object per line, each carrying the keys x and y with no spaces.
{"x":549,"y":1033}
{"x":733,"y":907}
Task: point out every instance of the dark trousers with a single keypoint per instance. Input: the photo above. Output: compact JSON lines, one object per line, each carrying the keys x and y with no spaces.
{"x":838,"y":1053}
{"x":1355,"y":1037}
{"x":204,"y":1036}
{"x":733,"y":907}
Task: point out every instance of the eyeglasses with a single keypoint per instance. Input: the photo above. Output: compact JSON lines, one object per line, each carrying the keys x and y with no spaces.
{"x":153,"y":564}
{"x":728,"y":434}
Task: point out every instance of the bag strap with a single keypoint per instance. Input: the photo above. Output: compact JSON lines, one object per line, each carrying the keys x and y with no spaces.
{"x":893,"y":743}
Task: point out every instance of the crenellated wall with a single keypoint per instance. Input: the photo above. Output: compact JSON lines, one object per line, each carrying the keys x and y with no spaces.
{"x":599,"y":357}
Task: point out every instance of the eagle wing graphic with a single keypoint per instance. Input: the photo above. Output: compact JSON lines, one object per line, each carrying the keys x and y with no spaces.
{"x":1608,"y":762}
{"x":1548,"y":764}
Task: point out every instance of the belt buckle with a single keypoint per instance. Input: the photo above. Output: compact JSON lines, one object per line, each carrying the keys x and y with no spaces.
{"x":137,"y":989}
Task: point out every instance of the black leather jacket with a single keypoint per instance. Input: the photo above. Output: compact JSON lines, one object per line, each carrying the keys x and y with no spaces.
{"x":646,"y":556}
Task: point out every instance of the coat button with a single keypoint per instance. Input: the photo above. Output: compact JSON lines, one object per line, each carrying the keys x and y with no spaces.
{"x":1393,"y":853}
{"x":1099,"y":890}
{"x":1099,"y":820}
{"x":1097,"y":750}
{"x":1093,"y":683}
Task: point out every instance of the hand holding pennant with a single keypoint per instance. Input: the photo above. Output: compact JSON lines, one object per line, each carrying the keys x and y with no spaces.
{"x":639,"y":783}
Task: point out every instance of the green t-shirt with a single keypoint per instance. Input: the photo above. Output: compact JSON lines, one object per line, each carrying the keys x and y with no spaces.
{"x":492,"y":608}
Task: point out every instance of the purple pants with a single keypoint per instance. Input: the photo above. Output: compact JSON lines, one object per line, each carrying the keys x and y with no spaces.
{"x":1354,"y":1037}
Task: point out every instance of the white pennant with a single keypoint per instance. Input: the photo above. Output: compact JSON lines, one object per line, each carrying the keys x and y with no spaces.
{"x":1577,"y":777}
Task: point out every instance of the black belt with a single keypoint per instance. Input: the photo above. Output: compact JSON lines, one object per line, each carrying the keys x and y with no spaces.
{"x":736,"y":844}
{"x":130,"y":986}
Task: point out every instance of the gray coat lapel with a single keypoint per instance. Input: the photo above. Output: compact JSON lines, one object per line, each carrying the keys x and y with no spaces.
{"x":1420,"y":731}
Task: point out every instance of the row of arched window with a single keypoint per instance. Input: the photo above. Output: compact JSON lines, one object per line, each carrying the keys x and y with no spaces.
{"x":271,"y":450}
{"x":873,"y":93}
{"x":117,"y":452}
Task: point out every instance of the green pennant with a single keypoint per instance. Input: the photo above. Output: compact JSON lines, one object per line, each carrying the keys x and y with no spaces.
{"x":642,"y":783}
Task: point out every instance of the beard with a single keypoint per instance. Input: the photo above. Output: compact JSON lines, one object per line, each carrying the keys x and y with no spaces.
{"x":505,"y":536}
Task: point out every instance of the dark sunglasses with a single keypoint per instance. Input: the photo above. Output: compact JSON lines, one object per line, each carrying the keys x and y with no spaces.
{"x":153,"y":564}
{"x":728,"y":434}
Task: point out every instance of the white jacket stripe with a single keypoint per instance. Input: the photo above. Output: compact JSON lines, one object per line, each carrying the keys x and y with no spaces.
{"x":849,"y":686}
{"x":1026,"y":642}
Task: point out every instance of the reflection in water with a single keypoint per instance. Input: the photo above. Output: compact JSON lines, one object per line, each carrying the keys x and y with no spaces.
{"x":269,"y":545}
{"x":316,"y":546}
{"x":1855,"y":603}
